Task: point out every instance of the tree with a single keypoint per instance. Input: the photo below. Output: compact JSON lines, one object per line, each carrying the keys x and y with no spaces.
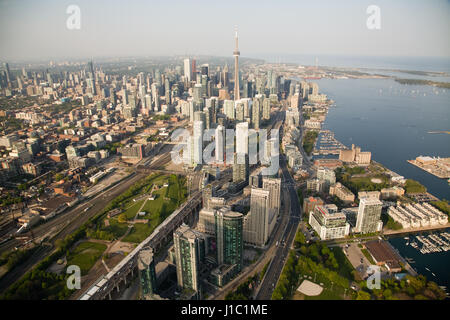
{"x":362,"y":295}
{"x":300,"y":238}
{"x":387,"y":294}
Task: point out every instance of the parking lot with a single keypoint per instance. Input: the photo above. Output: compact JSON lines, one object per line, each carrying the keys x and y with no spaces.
{"x":356,"y":258}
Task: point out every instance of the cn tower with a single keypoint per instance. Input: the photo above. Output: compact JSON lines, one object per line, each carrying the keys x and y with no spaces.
{"x":236,"y":54}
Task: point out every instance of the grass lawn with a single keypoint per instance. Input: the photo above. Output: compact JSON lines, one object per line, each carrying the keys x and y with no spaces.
{"x":345,"y":267}
{"x":85,"y":255}
{"x":167,"y":200}
{"x":133,"y":210}
{"x":326,"y":294}
{"x":116,"y":228}
{"x":138,"y":233}
{"x":368,"y":256}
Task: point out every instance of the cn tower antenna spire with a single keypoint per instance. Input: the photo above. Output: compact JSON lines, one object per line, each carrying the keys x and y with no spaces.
{"x":236,"y":54}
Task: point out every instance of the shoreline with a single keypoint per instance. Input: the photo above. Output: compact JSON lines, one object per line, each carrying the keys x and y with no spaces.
{"x":394,"y":233}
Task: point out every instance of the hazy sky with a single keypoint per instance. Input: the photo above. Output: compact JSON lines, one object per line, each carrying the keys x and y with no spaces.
{"x":37,"y":28}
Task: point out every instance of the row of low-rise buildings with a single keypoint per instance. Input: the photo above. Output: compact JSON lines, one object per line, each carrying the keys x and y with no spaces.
{"x":417,"y":215}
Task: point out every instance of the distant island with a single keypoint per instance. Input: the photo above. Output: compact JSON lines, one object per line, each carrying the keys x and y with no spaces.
{"x":424,"y":82}
{"x":423,"y":73}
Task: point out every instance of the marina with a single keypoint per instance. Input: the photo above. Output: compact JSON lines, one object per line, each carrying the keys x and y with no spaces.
{"x":431,"y":243}
{"x":428,"y":253}
{"x":327,"y":144}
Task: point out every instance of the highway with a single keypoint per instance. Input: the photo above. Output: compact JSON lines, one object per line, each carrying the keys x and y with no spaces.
{"x":285,"y":241}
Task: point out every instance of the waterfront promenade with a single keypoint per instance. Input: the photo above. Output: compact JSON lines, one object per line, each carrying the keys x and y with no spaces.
{"x":415,"y":230}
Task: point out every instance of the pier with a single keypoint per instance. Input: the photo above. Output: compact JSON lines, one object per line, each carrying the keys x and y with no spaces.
{"x":438,"y":167}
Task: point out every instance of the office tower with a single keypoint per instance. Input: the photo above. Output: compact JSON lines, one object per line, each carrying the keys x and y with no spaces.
{"x":207,"y":194}
{"x":225,"y":77}
{"x":132,"y":101}
{"x":20,"y":84}
{"x":158,"y":77}
{"x":274,"y":84}
{"x":314,"y":88}
{"x":198,"y":142}
{"x":295,"y":100}
{"x":369,"y":213}
{"x":242,"y":138}
{"x":266,"y":109}
{"x":191,"y":111}
{"x":206,"y":220}
{"x":212,"y":105}
{"x":240,"y":111}
{"x":148,"y":101}
{"x":147,"y":273}
{"x":255,"y":180}
{"x":125,"y":97}
{"x":91,"y":68}
{"x":90,"y":85}
{"x":157,"y":104}
{"x":220,"y":142}
{"x":189,"y":248}
{"x":197,"y":94}
{"x":236,"y":54}
{"x":256,"y":113}
{"x":271,"y":150}
{"x":208,"y":117}
{"x":204,"y":69}
{"x":304,"y":87}
{"x":247,"y":89}
{"x":292,"y":88}
{"x":274,"y":186}
{"x":193,"y":68}
{"x":50,"y":80}
{"x":256,"y":222}
{"x":167,"y":92}
{"x":240,"y":167}
{"x":228,"y":108}
{"x":200,"y":116}
{"x":187,"y":69}
{"x":204,"y":85}
{"x":229,"y":237}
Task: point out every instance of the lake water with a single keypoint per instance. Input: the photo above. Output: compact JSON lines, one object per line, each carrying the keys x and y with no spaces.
{"x":392,"y":120}
{"x":438,"y":64}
